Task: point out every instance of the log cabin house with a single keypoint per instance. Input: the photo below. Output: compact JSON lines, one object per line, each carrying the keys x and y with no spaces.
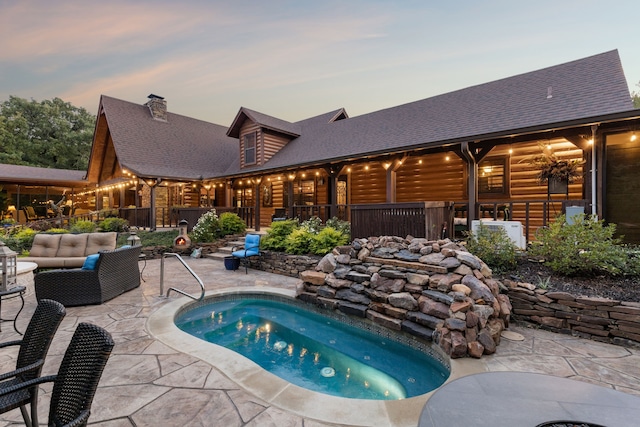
{"x":464,"y":154}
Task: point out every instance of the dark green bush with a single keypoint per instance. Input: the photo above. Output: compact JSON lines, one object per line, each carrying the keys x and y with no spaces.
{"x":83,"y":226}
{"x":151,"y":238}
{"x":585,"y":247}
{"x":494,"y":247}
{"x":114,"y":224}
{"x":231,"y":223}
{"x":327,"y":239}
{"x":343,"y":227}
{"x":275,"y":238}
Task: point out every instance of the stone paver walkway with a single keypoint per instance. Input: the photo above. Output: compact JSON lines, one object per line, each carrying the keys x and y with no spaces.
{"x":147,"y":383}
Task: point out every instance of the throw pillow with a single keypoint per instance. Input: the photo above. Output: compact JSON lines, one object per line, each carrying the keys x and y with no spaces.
{"x":90,"y":262}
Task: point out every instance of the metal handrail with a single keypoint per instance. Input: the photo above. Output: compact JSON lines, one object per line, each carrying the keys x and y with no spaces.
{"x":195,"y":276}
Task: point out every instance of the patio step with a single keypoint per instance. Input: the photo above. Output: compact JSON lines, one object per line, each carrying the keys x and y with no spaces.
{"x":225,"y":251}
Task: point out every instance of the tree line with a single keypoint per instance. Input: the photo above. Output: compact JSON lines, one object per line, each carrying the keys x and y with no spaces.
{"x":50,"y":133}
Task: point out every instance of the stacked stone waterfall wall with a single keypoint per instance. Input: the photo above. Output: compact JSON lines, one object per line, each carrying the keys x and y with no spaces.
{"x":432,"y":289}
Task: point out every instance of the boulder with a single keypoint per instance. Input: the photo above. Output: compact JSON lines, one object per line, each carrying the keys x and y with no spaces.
{"x":327,"y":264}
{"x":479,"y":291}
{"x":403,"y":300}
{"x":313,"y":277}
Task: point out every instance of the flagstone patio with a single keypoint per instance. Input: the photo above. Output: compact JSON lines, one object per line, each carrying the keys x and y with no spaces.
{"x":148,"y":383}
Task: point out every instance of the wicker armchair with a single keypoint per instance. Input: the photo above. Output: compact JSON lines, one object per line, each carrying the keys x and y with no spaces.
{"x":33,"y":349}
{"x":78,"y":376}
{"x":115,"y":272}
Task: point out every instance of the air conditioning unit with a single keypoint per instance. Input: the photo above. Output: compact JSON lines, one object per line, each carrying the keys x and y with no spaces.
{"x":513,"y":228}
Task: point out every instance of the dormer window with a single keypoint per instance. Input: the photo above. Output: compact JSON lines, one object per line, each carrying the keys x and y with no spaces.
{"x":250,"y":149}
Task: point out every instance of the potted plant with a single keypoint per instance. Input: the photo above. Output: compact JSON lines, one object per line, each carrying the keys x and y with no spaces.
{"x":555,"y":172}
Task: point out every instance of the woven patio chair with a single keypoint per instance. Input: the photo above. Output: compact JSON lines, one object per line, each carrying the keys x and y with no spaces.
{"x":77,"y":380}
{"x":34,"y":346}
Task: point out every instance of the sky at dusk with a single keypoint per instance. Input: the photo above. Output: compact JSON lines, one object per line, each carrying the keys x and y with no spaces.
{"x":295,"y":59}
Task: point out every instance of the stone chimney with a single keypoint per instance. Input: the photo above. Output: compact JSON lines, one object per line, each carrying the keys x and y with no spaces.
{"x":158,"y":107}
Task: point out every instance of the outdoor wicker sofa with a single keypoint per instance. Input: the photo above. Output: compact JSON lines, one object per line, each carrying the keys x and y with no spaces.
{"x":68,"y":250}
{"x":114,"y":273}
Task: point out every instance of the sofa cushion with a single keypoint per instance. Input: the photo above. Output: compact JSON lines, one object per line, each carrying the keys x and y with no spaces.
{"x":97,"y":242}
{"x":72,"y":245}
{"x":90,"y":262}
{"x":45,"y":245}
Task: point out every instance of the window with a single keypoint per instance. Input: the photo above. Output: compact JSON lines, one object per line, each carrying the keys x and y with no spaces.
{"x":304,"y":192}
{"x":250,"y":149}
{"x":492,"y":176}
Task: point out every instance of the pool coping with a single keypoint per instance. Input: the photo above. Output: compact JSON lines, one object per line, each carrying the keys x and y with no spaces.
{"x":278,"y":392}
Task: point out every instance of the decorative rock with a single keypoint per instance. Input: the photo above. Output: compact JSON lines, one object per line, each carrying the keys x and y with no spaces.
{"x":472,"y":319}
{"x":354,"y":276}
{"x":463,"y":270}
{"x":438,"y":296}
{"x":386,"y":253}
{"x":475,"y":349}
{"x":403,"y":300}
{"x":326,"y":291}
{"x":352,"y":309}
{"x":426,"y":250}
{"x":468,"y":259}
{"x":313,"y":277}
{"x":458,"y":287}
{"x":427,"y":320}
{"x":384,"y":284}
{"x":455,"y":324}
{"x":364,"y":254}
{"x":386,"y":321}
{"x":450,"y":263}
{"x":417,"y":330}
{"x":349,"y":295}
{"x":484,"y":338}
{"x":332,"y":281}
{"x":462,"y":306}
{"x":479,"y":291}
{"x":418,"y":279}
{"x":458,"y":345}
{"x":341,"y":273}
{"x":392,"y":274}
{"x":433,"y":308}
{"x":327,"y":264}
{"x":343,"y":259}
{"x":405,"y":255}
{"x":447,"y":281}
{"x":433,"y":258}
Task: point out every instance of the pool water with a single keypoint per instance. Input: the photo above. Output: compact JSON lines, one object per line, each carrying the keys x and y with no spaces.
{"x":314,"y":351}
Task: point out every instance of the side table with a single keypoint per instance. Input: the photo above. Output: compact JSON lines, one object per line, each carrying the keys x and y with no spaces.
{"x":15,"y":292}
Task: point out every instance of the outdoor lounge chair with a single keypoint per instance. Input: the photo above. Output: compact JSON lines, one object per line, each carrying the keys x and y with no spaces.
{"x":75,"y":384}
{"x":33,"y":349}
{"x":250,"y":248}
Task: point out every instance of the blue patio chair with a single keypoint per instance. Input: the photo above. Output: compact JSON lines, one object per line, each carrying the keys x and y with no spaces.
{"x":250,"y":248}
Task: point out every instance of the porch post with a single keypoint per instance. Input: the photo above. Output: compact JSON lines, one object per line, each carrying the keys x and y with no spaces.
{"x":256,"y":189}
{"x":333,"y":173}
{"x":392,"y":168}
{"x":472,"y":179}
{"x":228,"y":194}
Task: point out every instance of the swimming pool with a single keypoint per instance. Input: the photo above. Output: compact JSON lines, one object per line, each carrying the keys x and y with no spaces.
{"x":315,"y":351}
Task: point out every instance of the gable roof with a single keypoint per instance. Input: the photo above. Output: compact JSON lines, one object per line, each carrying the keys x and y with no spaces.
{"x":574,"y":91}
{"x":36,"y":175}
{"x":180,"y":148}
{"x":264,"y":121}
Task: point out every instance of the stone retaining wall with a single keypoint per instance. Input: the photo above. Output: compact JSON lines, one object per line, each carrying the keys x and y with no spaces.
{"x":600,"y":319}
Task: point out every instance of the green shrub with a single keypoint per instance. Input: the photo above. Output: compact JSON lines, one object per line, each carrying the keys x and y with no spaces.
{"x":494,"y":247}
{"x":20,"y":240}
{"x":313,"y":225}
{"x":151,"y":238}
{"x":231,"y":223}
{"x":343,"y":227}
{"x":83,"y":226}
{"x":207,"y":229}
{"x":57,"y":231}
{"x":275,"y":239}
{"x":327,"y":239}
{"x":585,"y":247}
{"x":114,"y":224}
{"x":298,"y":242}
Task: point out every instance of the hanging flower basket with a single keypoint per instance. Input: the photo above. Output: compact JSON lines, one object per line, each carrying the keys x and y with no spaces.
{"x":551,"y":168}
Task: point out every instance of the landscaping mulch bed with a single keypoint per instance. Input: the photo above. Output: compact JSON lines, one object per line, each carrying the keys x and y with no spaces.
{"x":618,"y":288}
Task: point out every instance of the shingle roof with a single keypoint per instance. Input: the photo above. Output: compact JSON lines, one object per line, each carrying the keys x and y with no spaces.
{"x":589,"y":87}
{"x":36,"y":175}
{"x":264,"y":121}
{"x":180,"y":148}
